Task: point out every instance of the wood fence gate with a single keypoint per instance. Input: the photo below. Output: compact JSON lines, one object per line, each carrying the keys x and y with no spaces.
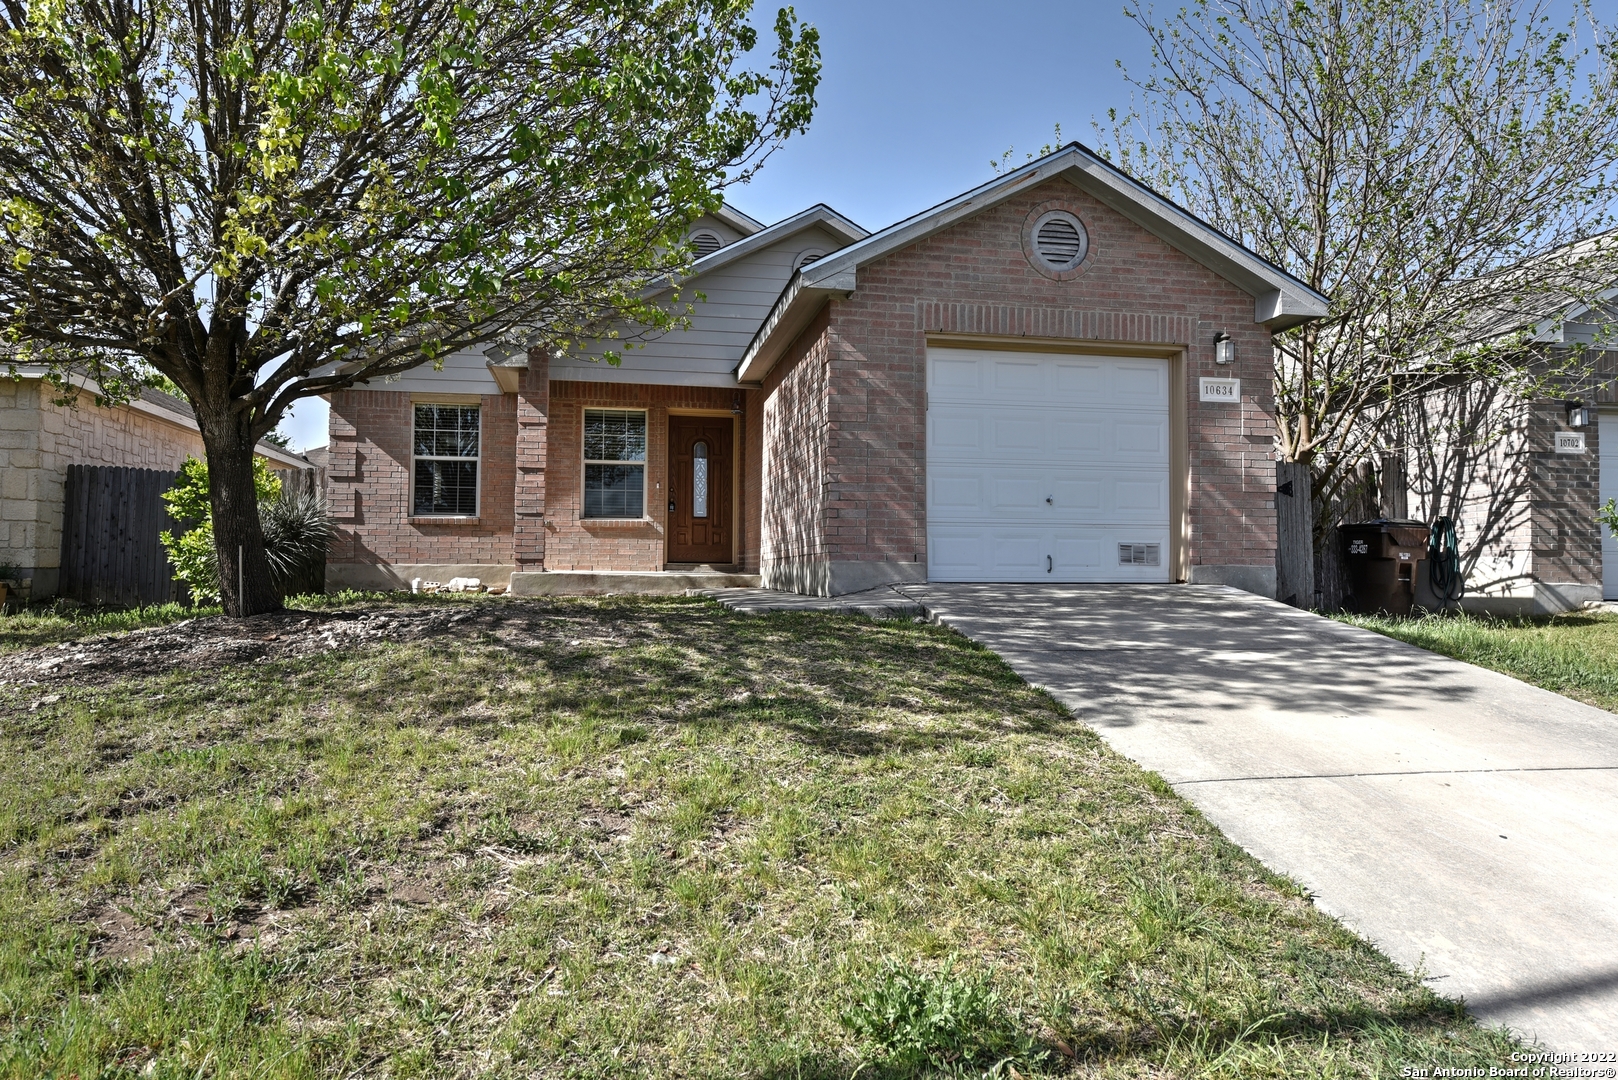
{"x":110,"y":551}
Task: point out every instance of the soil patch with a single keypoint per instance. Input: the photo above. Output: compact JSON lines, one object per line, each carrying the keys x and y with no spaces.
{"x":220,"y":640}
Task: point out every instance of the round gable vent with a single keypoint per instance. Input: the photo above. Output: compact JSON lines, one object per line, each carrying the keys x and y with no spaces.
{"x":705,"y":243}
{"x":808,"y":257}
{"x":1060,"y":240}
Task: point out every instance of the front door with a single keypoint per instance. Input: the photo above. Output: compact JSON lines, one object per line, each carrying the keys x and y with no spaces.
{"x":699,"y":488}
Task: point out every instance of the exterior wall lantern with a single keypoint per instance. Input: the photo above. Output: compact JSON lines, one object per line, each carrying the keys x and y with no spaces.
{"x":1224,"y":348}
{"x":1579,"y":415}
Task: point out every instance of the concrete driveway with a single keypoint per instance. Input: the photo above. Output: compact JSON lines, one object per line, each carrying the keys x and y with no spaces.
{"x":1465,"y":822}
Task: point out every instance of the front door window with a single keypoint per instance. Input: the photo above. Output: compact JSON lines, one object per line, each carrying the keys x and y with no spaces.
{"x":699,"y":480}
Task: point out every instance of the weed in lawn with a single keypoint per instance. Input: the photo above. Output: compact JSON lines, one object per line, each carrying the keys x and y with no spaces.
{"x":944,"y":1021}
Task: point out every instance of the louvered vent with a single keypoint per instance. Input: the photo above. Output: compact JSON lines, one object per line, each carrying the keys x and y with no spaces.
{"x":1140,"y":554}
{"x":1059,"y":242}
{"x":808,"y":257}
{"x":705,"y":243}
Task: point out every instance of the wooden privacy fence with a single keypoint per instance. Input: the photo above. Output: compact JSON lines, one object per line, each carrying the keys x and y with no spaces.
{"x":110,"y":522}
{"x":111,"y":519}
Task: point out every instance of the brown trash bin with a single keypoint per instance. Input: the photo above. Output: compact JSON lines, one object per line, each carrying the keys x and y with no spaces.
{"x":1385,"y":561}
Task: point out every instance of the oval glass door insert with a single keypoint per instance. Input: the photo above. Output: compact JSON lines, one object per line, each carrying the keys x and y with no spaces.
{"x":699,"y":480}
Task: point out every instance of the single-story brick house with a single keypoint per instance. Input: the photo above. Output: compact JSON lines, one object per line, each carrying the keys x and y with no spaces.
{"x":39,"y":439}
{"x":1058,"y":376}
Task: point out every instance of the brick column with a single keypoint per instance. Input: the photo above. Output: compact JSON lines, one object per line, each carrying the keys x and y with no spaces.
{"x":533,"y":418}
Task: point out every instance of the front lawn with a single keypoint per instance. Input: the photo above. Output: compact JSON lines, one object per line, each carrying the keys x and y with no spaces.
{"x":630,"y":838}
{"x":1574,"y":654}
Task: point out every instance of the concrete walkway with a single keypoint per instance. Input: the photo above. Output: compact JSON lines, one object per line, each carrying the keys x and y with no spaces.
{"x":1465,"y":822}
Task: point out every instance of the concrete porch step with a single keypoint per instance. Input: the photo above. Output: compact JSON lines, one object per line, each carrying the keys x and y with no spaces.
{"x":622,"y":582}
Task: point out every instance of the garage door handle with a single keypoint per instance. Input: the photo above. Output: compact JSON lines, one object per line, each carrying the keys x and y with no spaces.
{"x":671,"y":506}
{"x":1048,"y":501}
{"x":1048,"y":567}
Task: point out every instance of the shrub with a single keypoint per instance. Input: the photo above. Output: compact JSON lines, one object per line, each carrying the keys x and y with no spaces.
{"x":297,"y":532}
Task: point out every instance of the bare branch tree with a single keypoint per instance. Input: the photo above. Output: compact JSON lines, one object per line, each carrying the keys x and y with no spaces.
{"x":1409,"y":158}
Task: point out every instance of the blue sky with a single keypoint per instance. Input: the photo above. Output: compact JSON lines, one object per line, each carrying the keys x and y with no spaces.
{"x":915,"y":100}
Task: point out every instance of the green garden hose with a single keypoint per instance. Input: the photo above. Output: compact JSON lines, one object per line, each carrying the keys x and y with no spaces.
{"x":1444,"y":563}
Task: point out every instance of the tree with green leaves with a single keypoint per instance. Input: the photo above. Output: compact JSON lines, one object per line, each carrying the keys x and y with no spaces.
{"x":265,"y":200}
{"x":1415,"y":160}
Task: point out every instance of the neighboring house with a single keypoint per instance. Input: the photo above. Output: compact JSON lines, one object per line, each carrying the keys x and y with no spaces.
{"x":1058,"y":376}
{"x":1524,"y":476}
{"x":39,"y":439}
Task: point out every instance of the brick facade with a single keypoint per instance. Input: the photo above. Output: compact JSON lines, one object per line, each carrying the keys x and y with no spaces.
{"x":575,"y":543}
{"x":975,"y":278}
{"x":1563,"y":499}
{"x":368,"y":487}
{"x":530,"y":485}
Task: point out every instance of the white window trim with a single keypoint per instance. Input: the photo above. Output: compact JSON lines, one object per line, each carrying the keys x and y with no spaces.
{"x":477,"y":484}
{"x":586,"y":462}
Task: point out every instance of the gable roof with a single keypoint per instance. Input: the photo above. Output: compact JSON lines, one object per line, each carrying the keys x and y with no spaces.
{"x":1279,"y":299}
{"x":818,"y":214}
{"x":737,"y":220}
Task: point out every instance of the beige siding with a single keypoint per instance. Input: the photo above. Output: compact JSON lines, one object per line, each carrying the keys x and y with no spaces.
{"x":735,"y":300}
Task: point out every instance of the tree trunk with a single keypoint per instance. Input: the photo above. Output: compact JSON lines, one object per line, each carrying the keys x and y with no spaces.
{"x":245,"y":585}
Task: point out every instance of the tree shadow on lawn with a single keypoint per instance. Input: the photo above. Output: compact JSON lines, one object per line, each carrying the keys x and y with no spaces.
{"x":839,"y":684}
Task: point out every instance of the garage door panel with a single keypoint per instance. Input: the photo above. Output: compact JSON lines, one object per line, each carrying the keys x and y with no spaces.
{"x":956,"y":434}
{"x":1103,"y":496}
{"x":1047,"y":467}
{"x":1141,"y":382}
{"x":1005,"y":553}
{"x":1136,"y":438}
{"x":1079,"y":382}
{"x":954,"y":374}
{"x":1020,"y":378}
{"x":1017,"y":437}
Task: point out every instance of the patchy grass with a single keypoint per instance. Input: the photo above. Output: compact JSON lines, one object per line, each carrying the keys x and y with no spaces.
{"x":1574,"y":654}
{"x":646,"y":838}
{"x":49,"y":624}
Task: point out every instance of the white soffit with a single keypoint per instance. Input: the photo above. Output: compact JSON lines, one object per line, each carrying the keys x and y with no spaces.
{"x":1279,"y":299}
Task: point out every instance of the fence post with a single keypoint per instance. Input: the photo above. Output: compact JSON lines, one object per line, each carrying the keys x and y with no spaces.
{"x":1294,"y":535}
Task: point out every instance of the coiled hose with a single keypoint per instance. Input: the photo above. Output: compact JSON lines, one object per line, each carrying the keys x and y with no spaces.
{"x":1444,"y":563}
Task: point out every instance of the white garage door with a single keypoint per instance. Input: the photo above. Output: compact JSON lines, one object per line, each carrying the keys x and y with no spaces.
{"x":1047,"y":467}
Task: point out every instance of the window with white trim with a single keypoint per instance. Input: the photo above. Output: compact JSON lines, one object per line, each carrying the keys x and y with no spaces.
{"x":614,"y":463}
{"x":446,"y":446}
{"x":445,"y":450}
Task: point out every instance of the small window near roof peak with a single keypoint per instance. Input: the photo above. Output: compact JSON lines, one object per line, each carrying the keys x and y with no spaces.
{"x":705,"y":243}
